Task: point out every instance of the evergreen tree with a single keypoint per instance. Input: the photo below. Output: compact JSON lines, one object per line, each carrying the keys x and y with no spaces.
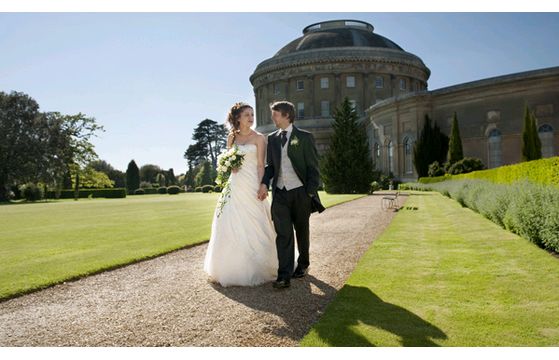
{"x":347,"y":166}
{"x":531,"y":143}
{"x":455,"y":152}
{"x":431,"y":146}
{"x":537,"y":142}
{"x":132,"y":177}
{"x":527,"y":143}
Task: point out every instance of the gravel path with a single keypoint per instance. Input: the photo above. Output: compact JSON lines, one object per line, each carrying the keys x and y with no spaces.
{"x":167,"y":301}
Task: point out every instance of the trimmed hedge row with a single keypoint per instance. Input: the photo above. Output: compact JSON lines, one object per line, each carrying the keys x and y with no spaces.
{"x":114,"y":193}
{"x":543,"y":171}
{"x":523,"y":207}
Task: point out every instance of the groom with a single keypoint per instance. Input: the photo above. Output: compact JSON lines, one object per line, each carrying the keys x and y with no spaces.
{"x":292,"y":163}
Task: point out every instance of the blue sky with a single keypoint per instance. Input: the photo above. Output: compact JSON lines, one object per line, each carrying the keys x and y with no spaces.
{"x":150,"y":78}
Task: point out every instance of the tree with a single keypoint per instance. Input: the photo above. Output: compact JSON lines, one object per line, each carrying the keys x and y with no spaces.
{"x":38,"y":146}
{"x":206,"y":175}
{"x":117,"y":176}
{"x":18,"y":143}
{"x":431,"y":146}
{"x":531,"y":143}
{"x":347,"y":167}
{"x":455,"y":152}
{"x":148,"y":173}
{"x":160,"y":179}
{"x":132,"y":177}
{"x":171,"y":179}
{"x":210,"y":138}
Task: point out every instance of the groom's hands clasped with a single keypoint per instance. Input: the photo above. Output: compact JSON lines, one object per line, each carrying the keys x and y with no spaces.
{"x":262,"y":192}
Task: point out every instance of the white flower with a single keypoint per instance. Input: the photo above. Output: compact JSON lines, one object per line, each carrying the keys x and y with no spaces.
{"x":227,"y":163}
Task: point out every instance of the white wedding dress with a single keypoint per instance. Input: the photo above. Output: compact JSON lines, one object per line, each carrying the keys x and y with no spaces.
{"x":242,"y":248}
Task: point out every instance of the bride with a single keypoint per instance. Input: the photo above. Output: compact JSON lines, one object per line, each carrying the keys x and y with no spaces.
{"x":242,"y":248}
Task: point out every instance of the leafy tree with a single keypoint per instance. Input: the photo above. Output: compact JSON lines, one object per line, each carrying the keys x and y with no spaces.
{"x":132,"y":177}
{"x":206,"y":175}
{"x":431,"y":146}
{"x":455,"y":152}
{"x":90,"y":178}
{"x":170,"y":177}
{"x":210,"y":139}
{"x":38,"y":146}
{"x":347,"y":167}
{"x":148,"y":172}
{"x":18,"y":144}
{"x":117,"y":176}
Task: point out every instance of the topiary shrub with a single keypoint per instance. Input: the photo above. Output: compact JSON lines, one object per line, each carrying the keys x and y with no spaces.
{"x":207,"y":188}
{"x":31,"y":192}
{"x":198,"y":189}
{"x":466,"y":165}
{"x":435,"y":170}
{"x":217,"y":188}
{"x":375,"y":186}
{"x":162,"y":190}
{"x":173,"y":190}
{"x":139,"y":192}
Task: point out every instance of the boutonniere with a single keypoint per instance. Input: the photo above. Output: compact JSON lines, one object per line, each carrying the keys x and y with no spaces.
{"x":294,"y":142}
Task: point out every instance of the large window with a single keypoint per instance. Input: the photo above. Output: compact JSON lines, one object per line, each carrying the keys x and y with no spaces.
{"x":403,"y":84}
{"x":325,"y":108}
{"x":276,"y":89}
{"x":300,"y":85}
{"x":377,"y":155}
{"x":408,"y":166}
{"x":350,"y":81}
{"x":324,"y":83}
{"x":379,"y":82}
{"x":301,"y":110}
{"x":545,"y":133}
{"x":494,"y":148}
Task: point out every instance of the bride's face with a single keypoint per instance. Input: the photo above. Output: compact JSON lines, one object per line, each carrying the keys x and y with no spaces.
{"x":246,"y":119}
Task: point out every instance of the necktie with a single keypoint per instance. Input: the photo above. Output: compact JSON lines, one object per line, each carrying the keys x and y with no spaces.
{"x":283,"y":138}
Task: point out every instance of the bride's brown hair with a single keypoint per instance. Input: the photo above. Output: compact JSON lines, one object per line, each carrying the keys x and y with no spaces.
{"x":235,"y":114}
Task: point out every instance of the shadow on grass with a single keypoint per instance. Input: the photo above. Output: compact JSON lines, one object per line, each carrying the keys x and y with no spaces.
{"x":357,"y":306}
{"x":299,"y":306}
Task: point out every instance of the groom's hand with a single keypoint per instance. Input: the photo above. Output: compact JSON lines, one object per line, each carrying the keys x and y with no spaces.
{"x":262,"y":192}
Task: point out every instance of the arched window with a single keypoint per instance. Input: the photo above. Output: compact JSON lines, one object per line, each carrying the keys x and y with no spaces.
{"x":408,"y":166}
{"x":494,"y":148}
{"x":545,"y":133}
{"x":390,"y":156}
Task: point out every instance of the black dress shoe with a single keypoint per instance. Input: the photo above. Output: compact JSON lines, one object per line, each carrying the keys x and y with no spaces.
{"x":281,"y":284}
{"x":299,"y":273}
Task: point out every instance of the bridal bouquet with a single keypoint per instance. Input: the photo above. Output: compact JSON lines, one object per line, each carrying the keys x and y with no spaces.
{"x":226,"y":162}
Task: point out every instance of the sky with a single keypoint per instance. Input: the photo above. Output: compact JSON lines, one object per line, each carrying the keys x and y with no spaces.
{"x":149,"y":78}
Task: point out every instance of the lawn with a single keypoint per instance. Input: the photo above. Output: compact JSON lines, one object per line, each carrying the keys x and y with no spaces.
{"x":46,"y":243}
{"x":442,"y":275}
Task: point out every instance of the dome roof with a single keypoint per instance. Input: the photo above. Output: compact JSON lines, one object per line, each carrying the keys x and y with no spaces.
{"x":338,"y":33}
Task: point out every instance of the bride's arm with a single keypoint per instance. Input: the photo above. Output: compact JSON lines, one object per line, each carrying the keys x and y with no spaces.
{"x":230,"y":139}
{"x":261,"y":155}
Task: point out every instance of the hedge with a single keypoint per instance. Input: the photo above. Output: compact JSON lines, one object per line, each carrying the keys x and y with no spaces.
{"x":543,"y":171}
{"x":96,"y":193}
{"x":523,"y":207}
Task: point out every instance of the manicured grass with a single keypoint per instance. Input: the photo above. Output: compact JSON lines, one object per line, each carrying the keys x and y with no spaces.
{"x":442,"y":275}
{"x":46,"y":243}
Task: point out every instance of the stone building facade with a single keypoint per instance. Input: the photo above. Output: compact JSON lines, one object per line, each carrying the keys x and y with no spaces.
{"x":388,"y":88}
{"x":332,"y":60}
{"x":490,"y":115}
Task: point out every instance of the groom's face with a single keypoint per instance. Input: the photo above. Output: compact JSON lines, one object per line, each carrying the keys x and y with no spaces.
{"x":280,"y":120}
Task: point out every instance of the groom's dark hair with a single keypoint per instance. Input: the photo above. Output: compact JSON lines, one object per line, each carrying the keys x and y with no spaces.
{"x":285,"y":108}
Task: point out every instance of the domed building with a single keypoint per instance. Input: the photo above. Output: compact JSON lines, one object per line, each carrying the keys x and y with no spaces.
{"x":388,"y":89}
{"x":332,"y":60}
